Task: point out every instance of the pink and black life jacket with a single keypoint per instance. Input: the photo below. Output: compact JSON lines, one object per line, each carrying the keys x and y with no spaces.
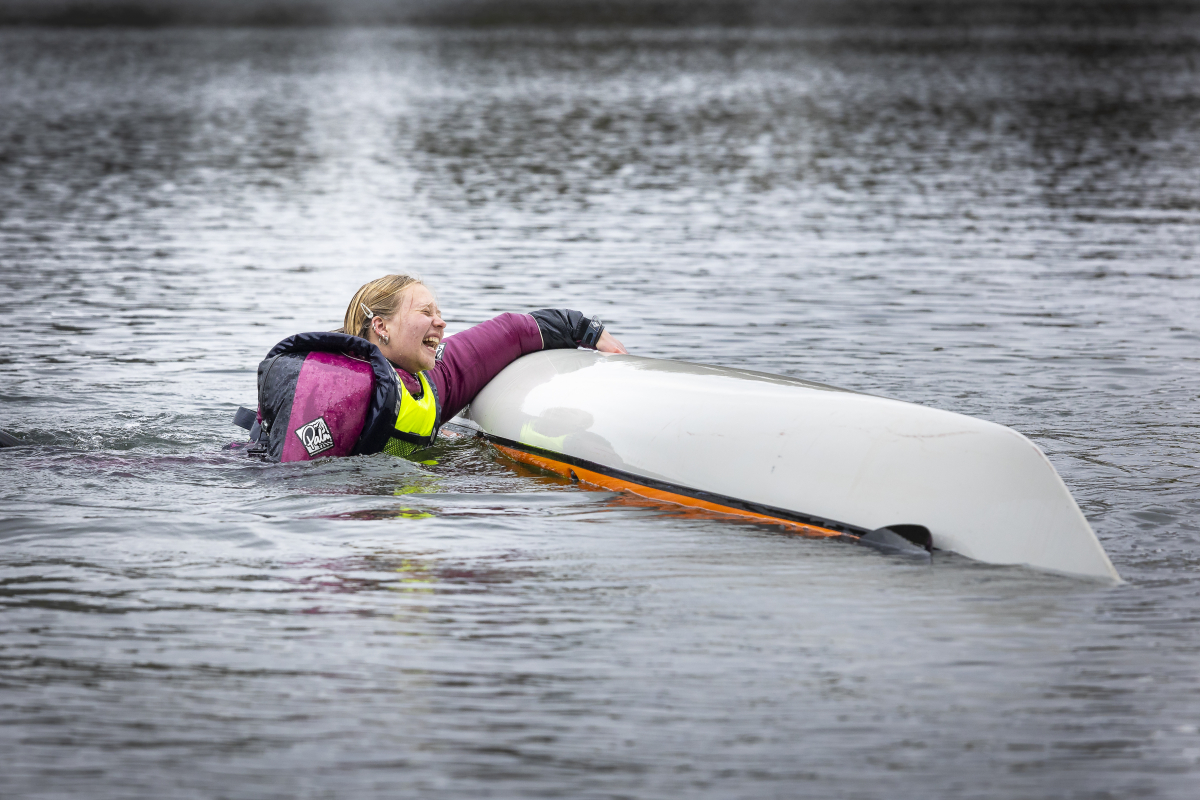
{"x":323,"y":394}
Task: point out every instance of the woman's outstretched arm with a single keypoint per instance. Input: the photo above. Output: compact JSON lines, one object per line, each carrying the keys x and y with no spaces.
{"x":472,"y":358}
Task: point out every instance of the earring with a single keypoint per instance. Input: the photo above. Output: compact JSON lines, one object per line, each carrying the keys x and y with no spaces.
{"x":386,"y":339}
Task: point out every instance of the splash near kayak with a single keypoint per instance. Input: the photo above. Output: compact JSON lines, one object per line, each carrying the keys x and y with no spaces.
{"x":825,"y":461}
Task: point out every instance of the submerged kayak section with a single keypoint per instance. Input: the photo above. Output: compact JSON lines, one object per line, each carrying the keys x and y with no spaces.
{"x":825,"y":461}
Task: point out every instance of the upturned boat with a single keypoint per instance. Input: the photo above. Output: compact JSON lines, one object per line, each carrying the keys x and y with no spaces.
{"x":823,"y":461}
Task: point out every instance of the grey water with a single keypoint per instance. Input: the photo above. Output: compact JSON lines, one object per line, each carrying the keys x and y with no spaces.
{"x":1000,"y":222}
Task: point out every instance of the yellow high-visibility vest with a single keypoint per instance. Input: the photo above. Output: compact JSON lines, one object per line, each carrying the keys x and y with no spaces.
{"x":416,"y":422}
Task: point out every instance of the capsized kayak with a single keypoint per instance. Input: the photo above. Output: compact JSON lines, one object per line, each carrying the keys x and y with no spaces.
{"x":825,"y":461}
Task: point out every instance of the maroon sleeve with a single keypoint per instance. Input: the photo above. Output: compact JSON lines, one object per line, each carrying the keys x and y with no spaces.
{"x":475,"y":356}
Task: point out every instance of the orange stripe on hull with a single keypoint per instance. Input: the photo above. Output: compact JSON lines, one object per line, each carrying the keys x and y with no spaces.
{"x":617,"y":485}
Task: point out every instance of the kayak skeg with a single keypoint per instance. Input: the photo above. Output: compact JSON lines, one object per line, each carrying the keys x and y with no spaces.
{"x":824,"y":461}
{"x":323,"y":394}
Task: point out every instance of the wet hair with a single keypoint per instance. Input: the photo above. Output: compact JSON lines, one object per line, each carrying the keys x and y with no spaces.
{"x":379,"y":298}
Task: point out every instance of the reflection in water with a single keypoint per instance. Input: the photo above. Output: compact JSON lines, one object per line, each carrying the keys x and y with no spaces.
{"x":397,"y":512}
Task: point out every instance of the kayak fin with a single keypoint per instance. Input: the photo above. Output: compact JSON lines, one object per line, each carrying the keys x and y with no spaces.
{"x":906,"y":540}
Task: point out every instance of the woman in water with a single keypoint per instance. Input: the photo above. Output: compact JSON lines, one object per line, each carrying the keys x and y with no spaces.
{"x":338,"y":397}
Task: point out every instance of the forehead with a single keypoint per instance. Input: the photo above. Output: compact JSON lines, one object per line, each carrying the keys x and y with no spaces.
{"x":419,"y":297}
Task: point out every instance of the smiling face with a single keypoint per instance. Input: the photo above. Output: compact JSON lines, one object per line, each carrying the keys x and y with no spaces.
{"x":413,"y":333}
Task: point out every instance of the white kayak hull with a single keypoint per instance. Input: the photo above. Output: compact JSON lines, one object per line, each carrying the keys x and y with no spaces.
{"x":825,"y":460}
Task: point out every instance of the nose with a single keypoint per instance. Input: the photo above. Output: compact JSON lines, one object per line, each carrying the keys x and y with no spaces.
{"x":438,"y":322}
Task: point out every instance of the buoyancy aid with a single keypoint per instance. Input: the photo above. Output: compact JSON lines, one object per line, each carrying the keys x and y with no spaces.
{"x":416,"y":421}
{"x":329,"y":394}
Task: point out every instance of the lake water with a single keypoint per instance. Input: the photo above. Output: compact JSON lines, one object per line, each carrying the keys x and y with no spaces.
{"x":996,"y":222}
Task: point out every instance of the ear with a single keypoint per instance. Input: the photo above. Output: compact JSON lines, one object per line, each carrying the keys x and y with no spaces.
{"x":378,"y":326}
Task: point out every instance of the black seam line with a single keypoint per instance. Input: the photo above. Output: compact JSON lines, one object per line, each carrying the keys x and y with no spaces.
{"x":410,"y":438}
{"x":698,"y":494}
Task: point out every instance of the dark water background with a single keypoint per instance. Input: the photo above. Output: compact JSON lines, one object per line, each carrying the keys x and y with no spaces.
{"x":998,"y":222}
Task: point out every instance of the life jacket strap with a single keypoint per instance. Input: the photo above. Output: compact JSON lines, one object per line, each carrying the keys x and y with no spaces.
{"x":245,"y":418}
{"x":248,"y":419}
{"x":414,"y":438}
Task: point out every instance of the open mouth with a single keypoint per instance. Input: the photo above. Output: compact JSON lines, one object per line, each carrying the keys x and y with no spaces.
{"x":431,"y":342}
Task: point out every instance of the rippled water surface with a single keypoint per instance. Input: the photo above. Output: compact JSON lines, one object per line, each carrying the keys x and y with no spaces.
{"x":999,"y":223}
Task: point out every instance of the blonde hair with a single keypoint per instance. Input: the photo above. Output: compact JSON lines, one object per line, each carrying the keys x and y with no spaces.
{"x":379,"y":298}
